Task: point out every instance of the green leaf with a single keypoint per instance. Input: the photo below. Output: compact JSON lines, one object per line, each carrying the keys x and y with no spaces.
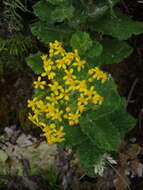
{"x":121,"y":26}
{"x":114,"y":51}
{"x":112,"y":100}
{"x":81,"y":41}
{"x":101,"y":132}
{"x":100,"y":8}
{"x":73,"y":136}
{"x":55,"y":2}
{"x":43,"y":10}
{"x":95,"y":123}
{"x":107,"y":124}
{"x":95,"y":50}
{"x":122,"y":120}
{"x":89,"y":155}
{"x":78,"y":20}
{"x":49,"y":33}
{"x":59,"y":14}
{"x":35,"y":63}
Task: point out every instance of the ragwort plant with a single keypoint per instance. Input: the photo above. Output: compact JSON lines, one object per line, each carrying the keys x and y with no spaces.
{"x":79,"y":107}
{"x":71,"y":92}
{"x":75,"y":103}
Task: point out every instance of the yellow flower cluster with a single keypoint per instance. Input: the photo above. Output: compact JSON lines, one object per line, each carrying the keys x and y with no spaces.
{"x":67,"y":95}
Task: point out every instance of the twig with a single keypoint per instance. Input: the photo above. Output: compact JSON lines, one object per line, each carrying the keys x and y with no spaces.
{"x":140,"y":118}
{"x":116,"y":171}
{"x":131,"y":91}
{"x":140,"y":1}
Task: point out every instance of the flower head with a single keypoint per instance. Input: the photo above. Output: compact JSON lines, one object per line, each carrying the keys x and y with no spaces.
{"x":39,"y":84}
{"x":68,"y":92}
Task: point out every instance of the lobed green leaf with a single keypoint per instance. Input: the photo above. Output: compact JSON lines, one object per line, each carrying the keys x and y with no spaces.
{"x":119,"y":26}
{"x":106,"y":125}
{"x":96,"y":49}
{"x":101,"y":132}
{"x":49,"y":33}
{"x":35,"y":63}
{"x":89,"y":155}
{"x":59,"y":14}
{"x":114,"y":51}
{"x":43,"y":10}
{"x":73,"y":136}
{"x":81,"y":41}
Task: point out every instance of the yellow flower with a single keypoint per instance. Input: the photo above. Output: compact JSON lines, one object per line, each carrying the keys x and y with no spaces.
{"x":90,"y":92}
{"x":55,"y":87}
{"x":91,"y":71}
{"x":69,"y":75}
{"x":90,"y":79}
{"x":68,"y":109}
{"x":76,"y":55}
{"x":47,"y":66}
{"x":56,"y":49}
{"x":70,"y":80}
{"x":98,"y":74}
{"x":69,"y":57}
{"x":59,"y":134}
{"x":44,"y":57}
{"x":37,"y":112}
{"x":71,"y":122}
{"x":55,"y":45}
{"x":79,"y":64}
{"x":41,"y":106}
{"x":64,"y":94}
{"x":97,"y":99}
{"x":57,"y":115}
{"x":82,"y":86}
{"x":55,"y":104}
{"x":104,"y":77}
{"x":39,"y":83}
{"x":72,"y":84}
{"x":50,"y":111}
{"x":80,"y":108}
{"x":65,"y":116}
{"x":52,"y":99}
{"x":32,"y":103}
{"x":74,"y":118}
{"x":52,"y":134}
{"x":49,"y":130}
{"x":51,"y":52}
{"x":82,"y":100}
{"x":61,"y":64}
{"x":60,"y":51}
{"x":33,"y":118}
{"x":50,"y":75}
